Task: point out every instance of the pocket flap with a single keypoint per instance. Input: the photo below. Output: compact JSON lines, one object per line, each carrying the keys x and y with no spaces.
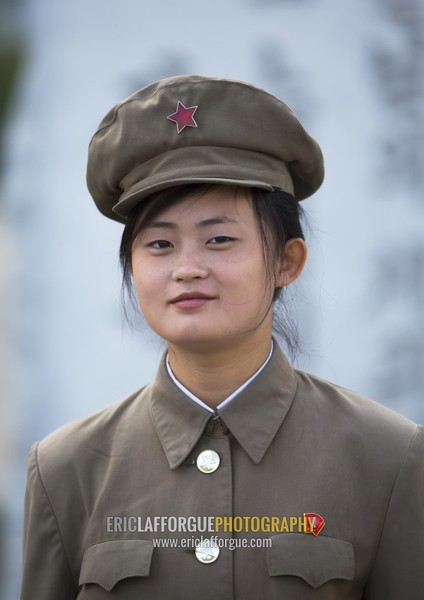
{"x":108,"y":562}
{"x":314,"y":559}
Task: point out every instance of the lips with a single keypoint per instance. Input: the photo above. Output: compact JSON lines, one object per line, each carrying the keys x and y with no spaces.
{"x":191,"y":299}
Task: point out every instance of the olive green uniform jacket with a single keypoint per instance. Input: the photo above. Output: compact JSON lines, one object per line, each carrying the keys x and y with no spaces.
{"x":295,"y":444}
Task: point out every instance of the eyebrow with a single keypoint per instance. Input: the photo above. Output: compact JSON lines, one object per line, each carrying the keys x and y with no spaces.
{"x":205,"y":223}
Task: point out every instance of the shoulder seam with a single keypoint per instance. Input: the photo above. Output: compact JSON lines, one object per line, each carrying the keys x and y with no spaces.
{"x":53,"y":512}
{"x":418,"y":428}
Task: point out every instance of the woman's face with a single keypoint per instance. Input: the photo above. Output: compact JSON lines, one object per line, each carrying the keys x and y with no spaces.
{"x":199,"y":271}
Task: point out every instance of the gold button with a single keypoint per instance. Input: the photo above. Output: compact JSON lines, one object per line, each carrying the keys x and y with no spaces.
{"x":208,"y":461}
{"x":207,"y":551}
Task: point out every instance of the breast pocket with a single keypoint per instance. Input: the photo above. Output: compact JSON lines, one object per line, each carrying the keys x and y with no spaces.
{"x":315,"y":559}
{"x":107,"y":563}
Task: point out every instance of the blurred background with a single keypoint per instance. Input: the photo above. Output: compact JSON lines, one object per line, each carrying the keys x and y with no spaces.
{"x":353,"y":71}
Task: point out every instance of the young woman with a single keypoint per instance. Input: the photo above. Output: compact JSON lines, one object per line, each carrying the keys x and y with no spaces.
{"x":232,"y":475}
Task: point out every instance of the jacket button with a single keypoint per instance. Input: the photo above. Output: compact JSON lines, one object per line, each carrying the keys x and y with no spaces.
{"x":207,"y":551}
{"x":208,"y":461}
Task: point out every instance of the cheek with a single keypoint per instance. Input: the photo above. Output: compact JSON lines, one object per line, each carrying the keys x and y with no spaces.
{"x":146,"y":280}
{"x":250,"y":286}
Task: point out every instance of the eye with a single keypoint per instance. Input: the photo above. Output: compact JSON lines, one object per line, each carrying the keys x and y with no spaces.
{"x":221,"y":239}
{"x":159,"y":244}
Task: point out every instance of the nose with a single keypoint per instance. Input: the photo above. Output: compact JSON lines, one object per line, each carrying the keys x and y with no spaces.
{"x":189,"y":266}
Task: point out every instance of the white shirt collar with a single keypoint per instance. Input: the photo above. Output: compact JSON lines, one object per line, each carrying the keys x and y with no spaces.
{"x":227,"y":400}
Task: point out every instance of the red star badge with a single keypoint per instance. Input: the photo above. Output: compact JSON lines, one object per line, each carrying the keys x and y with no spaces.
{"x":314,"y":523}
{"x":183,"y":116}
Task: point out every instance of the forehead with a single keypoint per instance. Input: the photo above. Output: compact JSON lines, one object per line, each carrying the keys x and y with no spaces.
{"x":226,"y":202}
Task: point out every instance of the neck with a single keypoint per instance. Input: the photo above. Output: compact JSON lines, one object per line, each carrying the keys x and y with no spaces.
{"x":213,"y":375}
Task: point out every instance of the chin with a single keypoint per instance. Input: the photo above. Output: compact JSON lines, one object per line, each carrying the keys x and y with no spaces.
{"x":196,"y":341}
{"x":210,"y":341}
{"x":183,"y":340}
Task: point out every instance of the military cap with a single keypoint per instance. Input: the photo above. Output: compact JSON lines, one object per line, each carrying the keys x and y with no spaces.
{"x":194,"y":129}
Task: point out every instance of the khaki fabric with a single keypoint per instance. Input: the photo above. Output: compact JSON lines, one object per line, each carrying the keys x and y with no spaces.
{"x":295,"y":444}
{"x":238,"y":134}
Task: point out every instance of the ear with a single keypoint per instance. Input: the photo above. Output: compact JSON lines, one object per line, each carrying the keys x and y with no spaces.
{"x":295,"y":253}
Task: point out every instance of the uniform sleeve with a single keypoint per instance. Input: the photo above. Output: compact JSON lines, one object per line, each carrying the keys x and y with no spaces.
{"x":46,"y":571}
{"x":398,"y":571}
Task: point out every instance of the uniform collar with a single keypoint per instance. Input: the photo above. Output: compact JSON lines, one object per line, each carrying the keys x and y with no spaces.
{"x":253,"y":417}
{"x":227,"y":400}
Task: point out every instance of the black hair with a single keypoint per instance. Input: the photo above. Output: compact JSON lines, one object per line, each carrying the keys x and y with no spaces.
{"x":279,"y":216}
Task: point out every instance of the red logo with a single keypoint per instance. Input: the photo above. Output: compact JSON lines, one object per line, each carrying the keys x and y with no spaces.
{"x":314,"y":523}
{"x":183,"y":117}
